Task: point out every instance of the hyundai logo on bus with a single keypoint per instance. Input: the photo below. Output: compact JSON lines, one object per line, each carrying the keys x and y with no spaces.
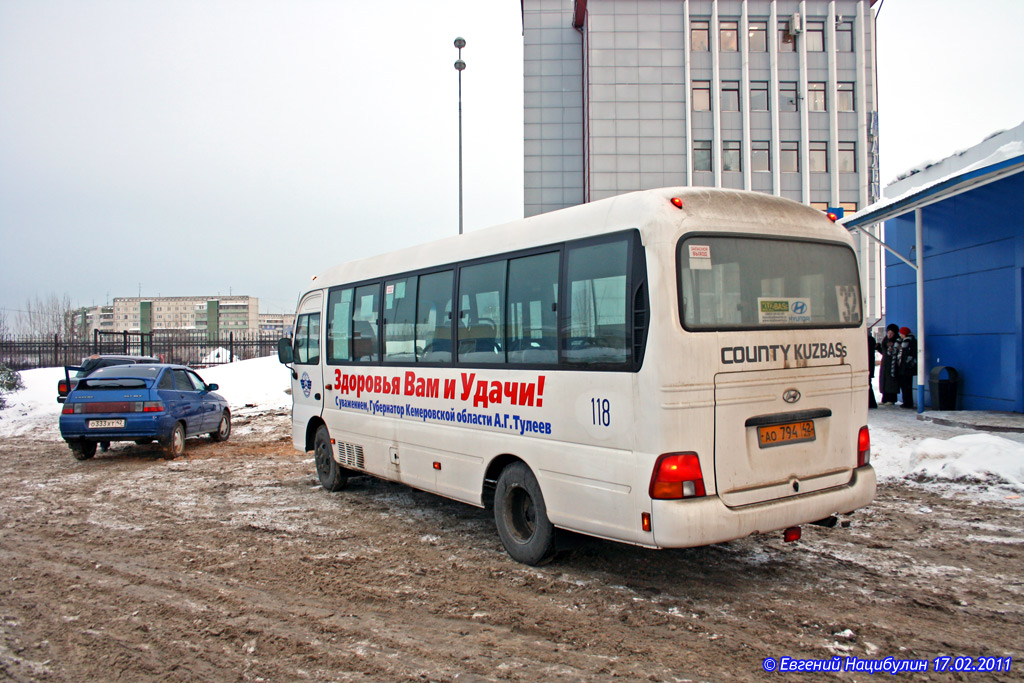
{"x":799,"y":307}
{"x":791,"y":395}
{"x":763,"y":354}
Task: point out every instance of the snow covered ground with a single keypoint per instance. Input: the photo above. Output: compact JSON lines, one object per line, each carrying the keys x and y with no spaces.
{"x":964,"y":461}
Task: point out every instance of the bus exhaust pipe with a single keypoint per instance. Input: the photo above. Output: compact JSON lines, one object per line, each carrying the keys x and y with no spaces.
{"x":828,"y":522}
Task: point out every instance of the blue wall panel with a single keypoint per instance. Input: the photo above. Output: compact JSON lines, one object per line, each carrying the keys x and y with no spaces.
{"x":974,"y":290}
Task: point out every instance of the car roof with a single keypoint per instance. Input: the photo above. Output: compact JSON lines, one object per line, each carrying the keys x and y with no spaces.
{"x":118,"y":356}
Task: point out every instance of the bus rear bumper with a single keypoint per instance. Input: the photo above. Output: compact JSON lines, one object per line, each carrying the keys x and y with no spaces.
{"x":703,"y":521}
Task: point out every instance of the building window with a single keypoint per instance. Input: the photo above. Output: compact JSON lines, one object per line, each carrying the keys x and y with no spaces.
{"x":815,"y":36}
{"x":820,"y":206}
{"x":789,"y":157}
{"x":699,"y":36}
{"x":730,"y":95}
{"x":759,"y":96}
{"x":701,"y":155}
{"x":728,"y":36}
{"x":847,"y":157}
{"x":701,"y":96}
{"x":787,"y":96}
{"x":819,"y":157}
{"x":786,"y":42}
{"x":844,"y":97}
{"x":816,"y":97}
{"x":844,"y":37}
{"x":849,"y":208}
{"x":760,"y":158}
{"x":731,"y":155}
{"x":757,"y":36}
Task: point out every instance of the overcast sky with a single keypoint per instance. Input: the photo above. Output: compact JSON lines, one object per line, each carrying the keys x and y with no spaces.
{"x":194,"y":148}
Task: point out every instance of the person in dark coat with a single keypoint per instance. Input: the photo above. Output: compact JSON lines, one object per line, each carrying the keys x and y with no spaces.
{"x":907,"y":369}
{"x":888,"y":377}
{"x":872,"y":350}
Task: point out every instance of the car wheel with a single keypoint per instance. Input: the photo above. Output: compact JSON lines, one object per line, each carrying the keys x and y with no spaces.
{"x":175,"y":445}
{"x":521,"y":516}
{"x":332,"y":477}
{"x":223,"y":428}
{"x":83,"y":450}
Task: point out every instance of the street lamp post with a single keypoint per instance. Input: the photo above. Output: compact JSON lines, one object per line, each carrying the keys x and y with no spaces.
{"x":460,"y":66}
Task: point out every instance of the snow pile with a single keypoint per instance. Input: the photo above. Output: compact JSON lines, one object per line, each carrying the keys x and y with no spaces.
{"x":218,"y":355}
{"x":970,"y":458}
{"x":250,"y":387}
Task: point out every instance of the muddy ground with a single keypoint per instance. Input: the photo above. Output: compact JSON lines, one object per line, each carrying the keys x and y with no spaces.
{"x":232,"y":564}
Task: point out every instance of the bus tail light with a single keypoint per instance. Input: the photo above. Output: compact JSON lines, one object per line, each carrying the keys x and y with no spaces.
{"x":863,"y":447}
{"x":677,"y":475}
{"x":791,"y":534}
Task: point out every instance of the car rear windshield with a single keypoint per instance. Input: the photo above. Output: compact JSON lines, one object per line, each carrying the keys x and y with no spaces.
{"x":128,"y":371}
{"x":733,"y":282}
{"x":100,"y":384}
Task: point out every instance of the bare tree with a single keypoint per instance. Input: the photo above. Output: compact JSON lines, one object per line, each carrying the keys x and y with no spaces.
{"x":5,"y":328}
{"x":50,"y":315}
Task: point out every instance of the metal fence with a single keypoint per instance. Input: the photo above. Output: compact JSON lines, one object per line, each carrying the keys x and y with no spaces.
{"x":186,"y":347}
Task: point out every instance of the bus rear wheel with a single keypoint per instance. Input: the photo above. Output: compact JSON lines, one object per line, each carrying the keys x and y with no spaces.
{"x":521,"y":516}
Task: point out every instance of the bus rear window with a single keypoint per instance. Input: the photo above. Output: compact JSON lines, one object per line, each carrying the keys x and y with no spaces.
{"x":757,"y":283}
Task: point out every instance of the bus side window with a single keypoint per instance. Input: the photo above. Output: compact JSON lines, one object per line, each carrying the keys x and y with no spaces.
{"x":595,"y":330}
{"x":307,"y":339}
{"x":399,"y":320}
{"x":482,"y":313}
{"x":339,"y":320}
{"x":364,"y":324}
{"x":433,"y":318}
{"x":532,"y":321}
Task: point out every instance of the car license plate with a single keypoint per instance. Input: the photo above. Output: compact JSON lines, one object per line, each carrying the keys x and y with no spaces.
{"x":792,"y":432}
{"x":106,"y":424}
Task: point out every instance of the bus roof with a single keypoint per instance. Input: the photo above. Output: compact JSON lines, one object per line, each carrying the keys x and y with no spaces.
{"x":650,"y":211}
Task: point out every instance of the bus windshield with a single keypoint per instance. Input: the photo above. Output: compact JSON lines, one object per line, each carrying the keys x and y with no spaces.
{"x":733,"y":282}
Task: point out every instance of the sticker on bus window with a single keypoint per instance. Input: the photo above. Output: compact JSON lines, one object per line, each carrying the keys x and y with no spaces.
{"x":700,"y":256}
{"x":390,"y":289}
{"x":782,"y":310}
{"x":846,"y":299}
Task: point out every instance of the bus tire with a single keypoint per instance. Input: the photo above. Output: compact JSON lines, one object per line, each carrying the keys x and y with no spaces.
{"x":521,"y":516}
{"x":83,"y":450}
{"x":331,"y":476}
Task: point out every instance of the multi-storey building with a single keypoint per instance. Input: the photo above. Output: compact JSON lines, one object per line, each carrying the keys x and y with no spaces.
{"x":216,"y":314}
{"x":774,"y":96}
{"x":277,"y":324}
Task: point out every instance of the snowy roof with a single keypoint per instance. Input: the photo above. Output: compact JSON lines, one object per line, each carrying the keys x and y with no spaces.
{"x":998,"y":156}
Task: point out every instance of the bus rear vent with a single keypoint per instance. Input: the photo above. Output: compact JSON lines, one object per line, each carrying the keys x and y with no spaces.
{"x":349,"y":455}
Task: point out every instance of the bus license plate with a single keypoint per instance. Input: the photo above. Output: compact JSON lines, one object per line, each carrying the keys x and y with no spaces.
{"x":793,"y":432}
{"x":106,"y":424}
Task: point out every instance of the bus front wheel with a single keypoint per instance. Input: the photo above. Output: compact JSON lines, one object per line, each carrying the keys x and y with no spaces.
{"x":521,"y":516}
{"x":331,"y":476}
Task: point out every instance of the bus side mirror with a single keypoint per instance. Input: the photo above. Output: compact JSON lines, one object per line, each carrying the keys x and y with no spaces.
{"x":284,"y":351}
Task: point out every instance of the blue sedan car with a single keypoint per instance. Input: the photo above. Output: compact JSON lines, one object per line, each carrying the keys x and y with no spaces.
{"x":142,"y":403}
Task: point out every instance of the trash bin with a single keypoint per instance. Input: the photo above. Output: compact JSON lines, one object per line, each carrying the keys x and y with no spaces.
{"x":944,"y":391}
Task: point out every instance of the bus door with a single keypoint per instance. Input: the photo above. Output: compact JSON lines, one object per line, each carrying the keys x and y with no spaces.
{"x":307,"y":376}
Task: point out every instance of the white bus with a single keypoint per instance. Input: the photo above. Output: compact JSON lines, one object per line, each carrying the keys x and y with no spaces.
{"x":667,"y":368}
